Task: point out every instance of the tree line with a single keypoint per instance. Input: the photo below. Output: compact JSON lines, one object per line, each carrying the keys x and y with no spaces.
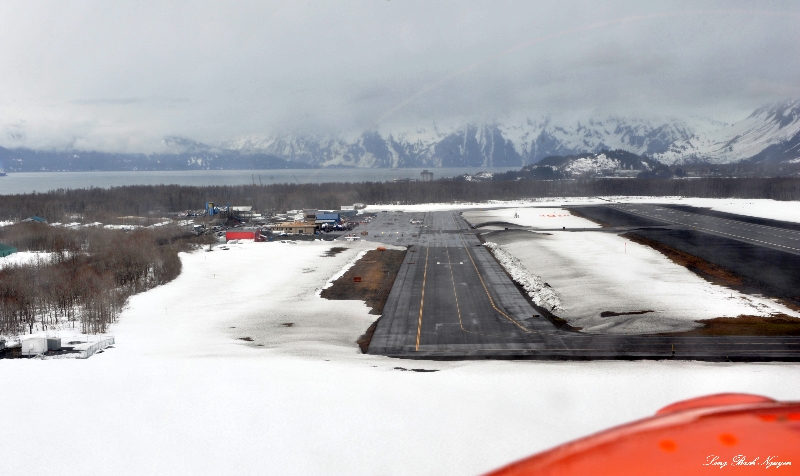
{"x":107,"y":205}
{"x":86,"y":275}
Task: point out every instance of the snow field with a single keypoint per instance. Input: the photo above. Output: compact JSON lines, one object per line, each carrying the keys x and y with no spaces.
{"x":250,"y":290}
{"x":180,"y":394}
{"x":593,"y":272}
{"x":25,"y":258}
{"x":539,"y":218}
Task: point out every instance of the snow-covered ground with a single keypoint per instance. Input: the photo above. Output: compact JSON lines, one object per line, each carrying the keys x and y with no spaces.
{"x":772,"y":209}
{"x":25,"y":258}
{"x":180,"y":393}
{"x":592,"y":272}
{"x":540,"y":218}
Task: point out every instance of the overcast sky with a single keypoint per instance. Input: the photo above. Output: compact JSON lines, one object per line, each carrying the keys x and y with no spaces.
{"x":122,"y":75}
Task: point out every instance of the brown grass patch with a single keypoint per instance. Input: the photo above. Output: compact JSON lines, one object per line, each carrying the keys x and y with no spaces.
{"x":377,"y":270}
{"x":706,"y":270}
{"x":745,"y":325}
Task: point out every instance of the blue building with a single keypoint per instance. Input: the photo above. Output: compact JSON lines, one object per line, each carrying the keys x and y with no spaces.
{"x":6,"y":250}
{"x":330,"y":218}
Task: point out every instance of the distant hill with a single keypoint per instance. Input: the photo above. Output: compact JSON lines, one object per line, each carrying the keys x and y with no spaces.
{"x":614,"y":163}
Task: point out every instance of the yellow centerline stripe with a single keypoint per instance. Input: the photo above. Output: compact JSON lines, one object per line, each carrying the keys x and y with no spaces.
{"x":491,"y":301}
{"x":422,"y":299}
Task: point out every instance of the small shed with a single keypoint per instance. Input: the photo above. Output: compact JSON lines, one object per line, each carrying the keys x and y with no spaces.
{"x":34,"y":346}
{"x":6,"y":250}
{"x":53,"y":343}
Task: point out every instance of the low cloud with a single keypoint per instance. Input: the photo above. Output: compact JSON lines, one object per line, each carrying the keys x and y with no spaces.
{"x":115,"y":76}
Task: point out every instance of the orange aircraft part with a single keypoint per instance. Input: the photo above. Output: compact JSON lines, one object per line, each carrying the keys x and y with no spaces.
{"x":691,"y":437}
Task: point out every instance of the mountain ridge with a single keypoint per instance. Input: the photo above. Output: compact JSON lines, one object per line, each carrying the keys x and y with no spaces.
{"x":770,"y":134}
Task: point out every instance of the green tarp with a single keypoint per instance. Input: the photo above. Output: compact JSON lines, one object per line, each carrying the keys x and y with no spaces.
{"x":6,"y":250}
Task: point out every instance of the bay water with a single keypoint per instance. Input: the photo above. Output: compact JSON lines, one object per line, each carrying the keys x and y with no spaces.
{"x":28,"y":182}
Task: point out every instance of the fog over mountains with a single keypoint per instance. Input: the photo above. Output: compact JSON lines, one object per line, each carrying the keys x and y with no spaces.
{"x":515,"y":144}
{"x":771,"y":134}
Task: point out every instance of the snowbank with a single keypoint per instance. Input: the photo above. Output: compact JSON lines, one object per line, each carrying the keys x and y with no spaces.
{"x":540,"y":292}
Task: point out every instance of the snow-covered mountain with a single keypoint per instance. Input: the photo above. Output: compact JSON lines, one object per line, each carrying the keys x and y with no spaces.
{"x":482,"y":146}
{"x":771,"y":133}
{"x":537,"y":140}
{"x":509,"y":144}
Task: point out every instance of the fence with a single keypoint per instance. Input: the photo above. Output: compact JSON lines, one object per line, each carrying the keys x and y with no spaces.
{"x":84,"y":354}
{"x":97,"y":346}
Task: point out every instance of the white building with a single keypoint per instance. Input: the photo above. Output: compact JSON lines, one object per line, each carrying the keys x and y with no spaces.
{"x":34,"y":346}
{"x":39,"y":345}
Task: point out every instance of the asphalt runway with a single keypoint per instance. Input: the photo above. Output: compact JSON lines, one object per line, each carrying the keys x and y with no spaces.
{"x":762,"y":252}
{"x":451,"y":296}
{"x":781,"y":239}
{"x":452,"y":300}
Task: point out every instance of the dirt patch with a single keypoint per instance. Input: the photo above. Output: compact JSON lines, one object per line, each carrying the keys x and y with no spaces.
{"x":288,"y":324}
{"x":630,"y":313}
{"x":706,"y":270}
{"x":365,"y":339}
{"x":377,"y":270}
{"x":246,"y":339}
{"x":744,"y":325}
{"x":333,"y":251}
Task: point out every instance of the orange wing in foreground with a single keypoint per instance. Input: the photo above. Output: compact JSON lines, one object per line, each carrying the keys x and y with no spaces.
{"x":687,"y":438}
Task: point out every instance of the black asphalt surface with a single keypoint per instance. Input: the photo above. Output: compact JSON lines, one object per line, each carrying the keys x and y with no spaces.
{"x":781,"y":239}
{"x":452,"y":300}
{"x":451,"y":296}
{"x":764,"y":256}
